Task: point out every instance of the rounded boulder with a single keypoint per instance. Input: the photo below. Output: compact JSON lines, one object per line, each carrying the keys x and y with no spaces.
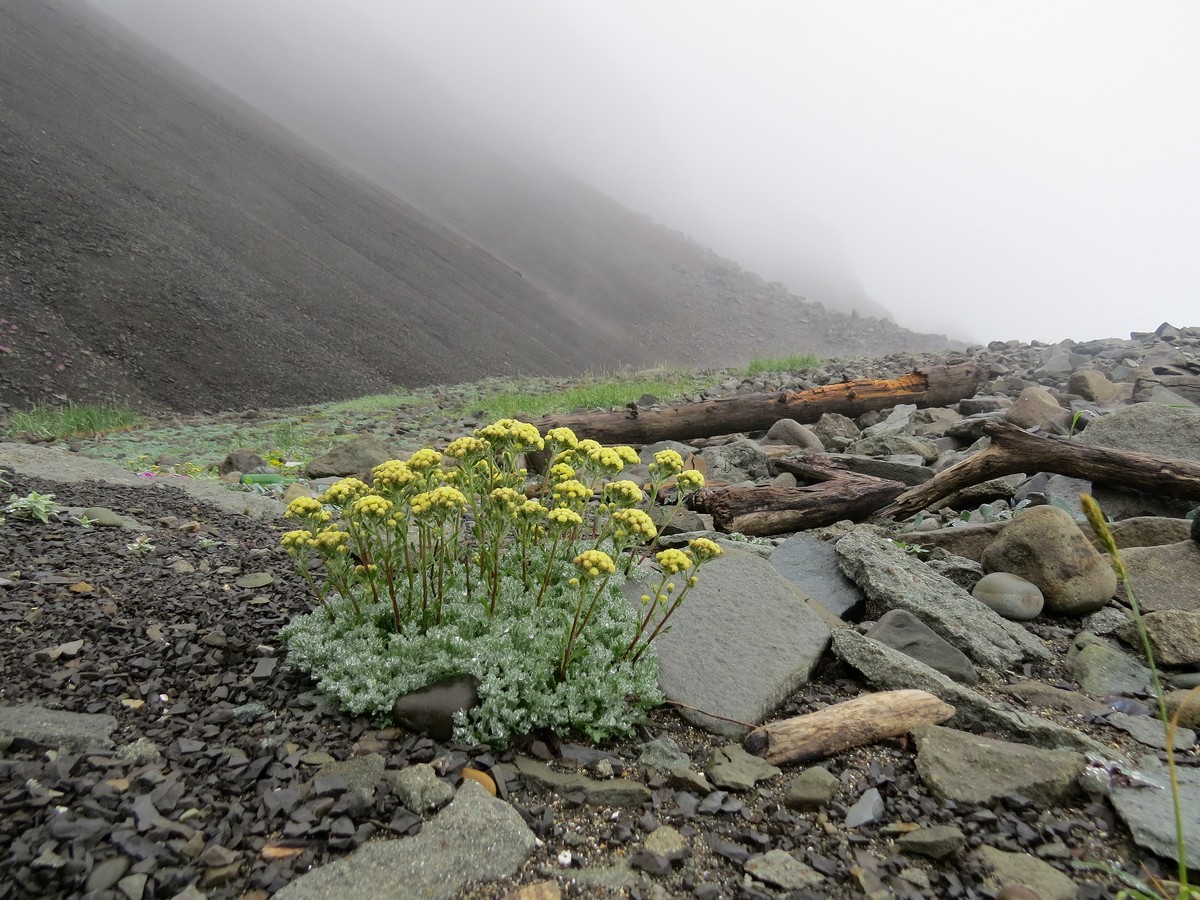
{"x":1044,"y":545}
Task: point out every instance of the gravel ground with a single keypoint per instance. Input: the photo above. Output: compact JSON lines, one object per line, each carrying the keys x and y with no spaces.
{"x":182,"y":650}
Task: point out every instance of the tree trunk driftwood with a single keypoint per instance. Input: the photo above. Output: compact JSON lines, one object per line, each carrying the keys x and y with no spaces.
{"x":1014,"y":450}
{"x":936,"y":386}
{"x":854,"y":723}
{"x":837,"y":493}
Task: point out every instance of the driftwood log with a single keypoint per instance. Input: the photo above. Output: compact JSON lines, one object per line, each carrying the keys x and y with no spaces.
{"x":1014,"y":450}
{"x":936,"y":386}
{"x":854,"y":723}
{"x":836,"y":493}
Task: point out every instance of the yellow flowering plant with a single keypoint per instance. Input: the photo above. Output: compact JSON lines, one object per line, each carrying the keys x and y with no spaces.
{"x":461,"y":562}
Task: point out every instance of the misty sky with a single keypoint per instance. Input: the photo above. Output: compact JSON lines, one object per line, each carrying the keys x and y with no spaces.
{"x":989,"y":170}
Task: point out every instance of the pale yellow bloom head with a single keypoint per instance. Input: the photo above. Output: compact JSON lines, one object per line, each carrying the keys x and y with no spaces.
{"x":595,"y":563}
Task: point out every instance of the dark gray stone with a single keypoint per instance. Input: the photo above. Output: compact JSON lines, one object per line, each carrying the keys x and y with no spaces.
{"x":901,"y":630}
{"x":812,"y":565}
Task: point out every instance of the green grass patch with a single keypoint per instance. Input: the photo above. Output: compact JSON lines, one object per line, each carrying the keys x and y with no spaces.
{"x":601,"y":393}
{"x":793,"y":363}
{"x":72,"y":420}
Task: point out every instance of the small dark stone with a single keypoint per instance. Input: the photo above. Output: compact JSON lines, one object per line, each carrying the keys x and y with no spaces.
{"x":431,"y":710}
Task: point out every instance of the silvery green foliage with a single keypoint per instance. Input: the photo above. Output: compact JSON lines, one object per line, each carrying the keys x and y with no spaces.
{"x":515,"y":656}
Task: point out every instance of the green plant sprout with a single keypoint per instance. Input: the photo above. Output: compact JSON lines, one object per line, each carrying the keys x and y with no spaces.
{"x":1091,"y":509}
{"x":33,"y":506}
{"x":462,"y":563}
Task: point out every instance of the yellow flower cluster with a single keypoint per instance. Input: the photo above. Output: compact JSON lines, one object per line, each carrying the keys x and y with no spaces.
{"x":342,"y":492}
{"x":587,"y":447}
{"x":562,"y":436}
{"x":531,"y":509}
{"x":424,"y":460}
{"x":442,"y":499}
{"x":564,"y":517}
{"x":606,"y":458}
{"x":674,"y":561}
{"x":507,"y":498}
{"x":304,"y":507}
{"x":295,"y":541}
{"x":561,"y":472}
{"x":666,"y":462}
{"x":691,"y":480}
{"x":704,"y":549}
{"x":633,"y":523}
{"x":520,"y":435}
{"x":371,"y":506}
{"x":595,"y":562}
{"x":624,"y":493}
{"x":628,"y":455}
{"x":332,"y":541}
{"x":572,"y":491}
{"x":466,"y":446}
{"x":392,"y":475}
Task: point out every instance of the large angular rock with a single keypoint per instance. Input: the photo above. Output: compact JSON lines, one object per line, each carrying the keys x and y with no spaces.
{"x":1174,"y":636}
{"x":43,"y":727}
{"x":1037,"y":408}
{"x":903,"y":631}
{"x":897,"y":580}
{"x":1165,"y":577}
{"x":970,"y":768}
{"x":890,"y":669}
{"x":742,"y":641}
{"x":1045,"y":546}
{"x":355,"y":456}
{"x":735,"y":462}
{"x":475,"y":838}
{"x":1147,"y":428}
{"x":1148,"y":811}
{"x":812,"y":565}
{"x":1046,"y":882}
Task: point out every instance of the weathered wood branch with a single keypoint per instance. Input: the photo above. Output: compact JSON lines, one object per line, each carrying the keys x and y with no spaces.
{"x":837,"y":493}
{"x":854,"y":723}
{"x":936,"y":386}
{"x":1014,"y":450}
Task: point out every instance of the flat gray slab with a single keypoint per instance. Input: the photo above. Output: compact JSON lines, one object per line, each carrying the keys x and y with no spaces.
{"x":1150,"y":814}
{"x":475,"y":838}
{"x":811,"y":564}
{"x":742,"y":641}
{"x":73,"y":731}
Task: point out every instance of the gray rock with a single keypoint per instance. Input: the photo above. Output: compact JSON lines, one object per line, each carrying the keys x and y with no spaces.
{"x":1038,"y":693}
{"x":811,"y":789}
{"x":968,"y":541}
{"x":363,"y":773}
{"x":1147,"y":428}
{"x":735,"y":462}
{"x":889,"y":669}
{"x":596,"y":792}
{"x":896,"y":580}
{"x":1166,"y":577}
{"x":1045,"y":546}
{"x":1092,"y":385}
{"x":1108,"y":620}
{"x":990,"y":491}
{"x":812,"y":566}
{"x":901,"y":630}
{"x":962,"y":571}
{"x":356,"y":456}
{"x":44,"y":727}
{"x":103,"y":517}
{"x":1149,"y":730}
{"x":836,"y":431}
{"x":970,"y":768}
{"x":1148,"y":811}
{"x":759,"y":640}
{"x":1046,"y":881}
{"x":1037,"y":408}
{"x":792,"y":433}
{"x":241,"y":461}
{"x":867,"y":809}
{"x":420,"y":789}
{"x":431,"y":710}
{"x":1102,"y":669}
{"x":1009,"y":595}
{"x":663,"y":754}
{"x":1149,"y":531}
{"x":911,"y":472}
{"x":1174,"y":636}
{"x":780,"y":868}
{"x":891,"y":445}
{"x":901,"y":420}
{"x":934,"y":842}
{"x":733,"y":768}
{"x":475,"y":838}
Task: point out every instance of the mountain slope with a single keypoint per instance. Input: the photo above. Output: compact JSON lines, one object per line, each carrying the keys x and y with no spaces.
{"x":163,"y":243}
